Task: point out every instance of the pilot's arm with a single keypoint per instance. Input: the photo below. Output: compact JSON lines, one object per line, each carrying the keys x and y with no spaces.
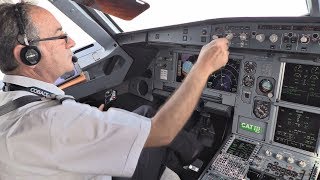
{"x":170,"y":119}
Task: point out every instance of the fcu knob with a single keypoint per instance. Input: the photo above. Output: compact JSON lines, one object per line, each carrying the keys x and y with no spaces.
{"x":229,"y":36}
{"x":273,"y":38}
{"x":304,"y":39}
{"x":260,"y":37}
{"x":214,"y":37}
{"x":243,"y":36}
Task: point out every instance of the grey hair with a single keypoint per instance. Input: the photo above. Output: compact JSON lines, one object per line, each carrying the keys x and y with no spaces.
{"x":9,"y":33}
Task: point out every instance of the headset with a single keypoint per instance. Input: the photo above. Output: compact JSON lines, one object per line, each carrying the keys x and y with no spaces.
{"x":30,"y":55}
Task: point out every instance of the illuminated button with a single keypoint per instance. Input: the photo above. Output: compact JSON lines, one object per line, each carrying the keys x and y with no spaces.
{"x":290,"y":160}
{"x":294,"y":39}
{"x":185,"y":38}
{"x":204,"y":32}
{"x":268,"y":153}
{"x":302,"y":164}
{"x":279,"y":156}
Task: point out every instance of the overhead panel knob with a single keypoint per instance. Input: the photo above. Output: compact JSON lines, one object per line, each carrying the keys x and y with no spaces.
{"x":273,"y":38}
{"x":260,"y":37}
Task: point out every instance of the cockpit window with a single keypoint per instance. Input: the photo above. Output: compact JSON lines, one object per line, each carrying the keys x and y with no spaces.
{"x":73,"y":30}
{"x":170,"y":12}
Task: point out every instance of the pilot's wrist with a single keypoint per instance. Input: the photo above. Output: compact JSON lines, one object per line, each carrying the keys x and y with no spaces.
{"x":206,"y":67}
{"x":202,"y":68}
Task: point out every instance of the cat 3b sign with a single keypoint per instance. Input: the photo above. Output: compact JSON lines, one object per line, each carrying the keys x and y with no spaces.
{"x":251,"y":128}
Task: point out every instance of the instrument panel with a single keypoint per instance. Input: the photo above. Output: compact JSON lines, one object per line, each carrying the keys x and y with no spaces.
{"x":271,"y":81}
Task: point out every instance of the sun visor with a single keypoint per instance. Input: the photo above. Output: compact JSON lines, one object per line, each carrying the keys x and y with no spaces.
{"x":124,"y":9}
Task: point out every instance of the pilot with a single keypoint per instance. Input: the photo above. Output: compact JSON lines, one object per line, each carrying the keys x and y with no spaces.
{"x":55,"y":137}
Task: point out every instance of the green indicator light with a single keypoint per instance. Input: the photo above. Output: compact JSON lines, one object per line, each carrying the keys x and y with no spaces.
{"x":251,"y":128}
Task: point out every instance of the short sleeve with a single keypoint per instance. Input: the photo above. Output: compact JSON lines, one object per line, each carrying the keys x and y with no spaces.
{"x":79,"y":138}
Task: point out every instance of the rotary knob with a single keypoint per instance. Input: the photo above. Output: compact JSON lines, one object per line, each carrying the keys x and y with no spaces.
{"x":243,"y":36}
{"x":302,"y":164}
{"x":273,"y":38}
{"x":229,"y":36}
{"x":304,"y":39}
{"x":279,"y":156}
{"x":260,"y":37}
{"x":214,"y":37}
{"x":290,"y":160}
{"x":268,"y":153}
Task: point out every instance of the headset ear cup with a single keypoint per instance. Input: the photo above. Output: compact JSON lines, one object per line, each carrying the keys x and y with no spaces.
{"x":30,"y":55}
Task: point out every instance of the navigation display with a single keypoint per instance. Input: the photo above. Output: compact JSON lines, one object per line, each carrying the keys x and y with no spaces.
{"x":297,"y":128}
{"x":301,"y":84}
{"x":241,"y":149}
{"x":225,"y":79}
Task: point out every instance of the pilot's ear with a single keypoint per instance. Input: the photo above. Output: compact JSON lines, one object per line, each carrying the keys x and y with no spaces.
{"x":16,"y":54}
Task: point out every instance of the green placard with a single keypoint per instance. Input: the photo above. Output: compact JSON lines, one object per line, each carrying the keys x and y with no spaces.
{"x":251,"y":128}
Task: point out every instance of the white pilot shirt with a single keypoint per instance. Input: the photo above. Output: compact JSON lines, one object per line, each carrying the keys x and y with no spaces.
{"x":69,"y":141}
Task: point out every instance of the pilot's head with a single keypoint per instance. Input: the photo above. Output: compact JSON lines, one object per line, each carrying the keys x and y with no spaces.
{"x":32,"y":43}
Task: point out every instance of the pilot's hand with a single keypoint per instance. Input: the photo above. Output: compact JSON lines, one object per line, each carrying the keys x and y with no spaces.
{"x":214,"y":55}
{"x":101,"y":107}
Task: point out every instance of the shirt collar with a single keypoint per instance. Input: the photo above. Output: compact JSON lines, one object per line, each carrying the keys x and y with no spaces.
{"x":29,"y":82}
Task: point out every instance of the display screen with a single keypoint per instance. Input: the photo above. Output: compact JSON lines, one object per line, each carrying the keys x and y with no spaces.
{"x":306,"y":28}
{"x":301,"y":84}
{"x":241,"y":149}
{"x":275,"y":27}
{"x":297,"y":128}
{"x":225,"y":79}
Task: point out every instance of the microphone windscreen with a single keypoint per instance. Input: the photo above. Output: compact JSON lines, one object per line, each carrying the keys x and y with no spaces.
{"x":74,"y":59}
